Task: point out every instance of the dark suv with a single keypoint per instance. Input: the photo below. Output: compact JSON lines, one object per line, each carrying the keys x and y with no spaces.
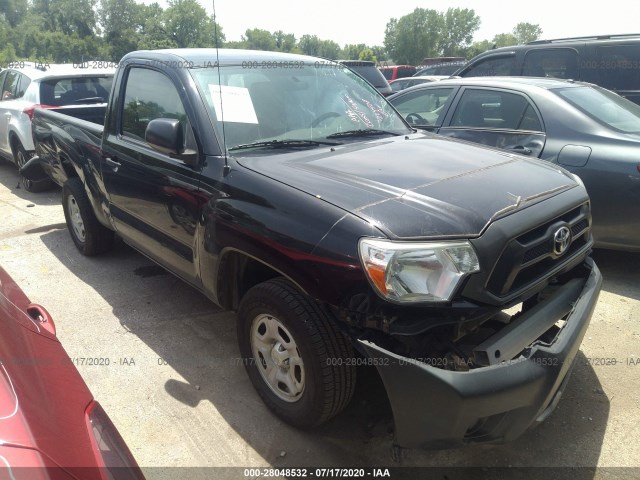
{"x":370,"y":73}
{"x":446,"y":68}
{"x":611,"y":61}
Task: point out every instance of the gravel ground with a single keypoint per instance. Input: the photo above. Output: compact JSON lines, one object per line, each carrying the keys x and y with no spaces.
{"x":179,"y":399}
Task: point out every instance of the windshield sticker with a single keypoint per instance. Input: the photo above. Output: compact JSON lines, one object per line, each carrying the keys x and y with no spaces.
{"x":376,"y":109}
{"x":232,"y":104}
{"x":354,"y":113}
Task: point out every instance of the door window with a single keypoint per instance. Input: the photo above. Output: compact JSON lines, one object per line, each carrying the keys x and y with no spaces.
{"x":424,"y":107}
{"x":482,"y":108}
{"x":149,"y":94}
{"x":10,"y":87}
{"x":617,"y":67}
{"x":493,"y":66}
{"x":22,"y":86}
{"x":551,"y":62}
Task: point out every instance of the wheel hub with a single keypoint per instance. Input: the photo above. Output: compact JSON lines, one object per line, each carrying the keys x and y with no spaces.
{"x":277,"y":357}
{"x":76,"y":218}
{"x":280,"y":356}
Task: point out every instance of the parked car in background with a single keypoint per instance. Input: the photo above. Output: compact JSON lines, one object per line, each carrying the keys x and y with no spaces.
{"x":446,"y":69}
{"x":397,"y":71}
{"x":402,"y":83}
{"x":611,"y":61}
{"x":29,"y":86}
{"x":586,"y":129}
{"x":49,"y":420}
{"x":370,"y":73}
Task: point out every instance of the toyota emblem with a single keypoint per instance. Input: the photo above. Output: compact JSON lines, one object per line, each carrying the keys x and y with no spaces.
{"x":561,"y":240}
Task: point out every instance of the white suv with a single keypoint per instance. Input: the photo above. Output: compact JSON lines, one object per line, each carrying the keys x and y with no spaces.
{"x":29,"y":86}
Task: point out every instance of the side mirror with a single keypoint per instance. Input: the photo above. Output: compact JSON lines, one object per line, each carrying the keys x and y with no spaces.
{"x":165,"y":135}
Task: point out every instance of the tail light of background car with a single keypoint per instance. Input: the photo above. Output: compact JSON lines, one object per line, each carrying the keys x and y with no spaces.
{"x":113,"y":456}
{"x":29,"y":110}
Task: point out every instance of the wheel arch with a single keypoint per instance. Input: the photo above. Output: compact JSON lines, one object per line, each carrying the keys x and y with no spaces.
{"x":14,"y":139}
{"x":245,"y":271}
{"x":67,"y":166}
{"x":15,"y":135}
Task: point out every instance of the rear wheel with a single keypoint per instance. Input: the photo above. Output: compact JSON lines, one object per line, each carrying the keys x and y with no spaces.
{"x":88,"y":234}
{"x":21,"y":157}
{"x":296,"y":358}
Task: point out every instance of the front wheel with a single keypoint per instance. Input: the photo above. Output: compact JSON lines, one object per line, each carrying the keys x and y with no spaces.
{"x":296,"y":358}
{"x":88,"y":234}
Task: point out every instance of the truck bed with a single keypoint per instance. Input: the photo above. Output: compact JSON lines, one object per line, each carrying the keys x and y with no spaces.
{"x":67,"y":134}
{"x":93,"y":114}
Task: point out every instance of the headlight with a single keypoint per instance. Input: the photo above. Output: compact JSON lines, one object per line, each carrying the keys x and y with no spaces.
{"x":417,"y":271}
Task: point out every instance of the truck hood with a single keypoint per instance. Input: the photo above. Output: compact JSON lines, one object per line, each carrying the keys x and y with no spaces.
{"x":416,"y":186}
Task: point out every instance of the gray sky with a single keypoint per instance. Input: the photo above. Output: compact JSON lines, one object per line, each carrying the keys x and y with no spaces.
{"x":360,"y":21}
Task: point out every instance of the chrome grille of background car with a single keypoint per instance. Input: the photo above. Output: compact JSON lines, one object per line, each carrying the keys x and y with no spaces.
{"x":529,"y":257}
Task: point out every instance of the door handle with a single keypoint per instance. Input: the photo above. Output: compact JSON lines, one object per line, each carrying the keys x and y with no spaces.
{"x":39,"y":314}
{"x":521,"y":150}
{"x":112,"y":163}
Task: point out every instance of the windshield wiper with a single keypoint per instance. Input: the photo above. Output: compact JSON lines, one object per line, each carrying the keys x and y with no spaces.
{"x":360,"y":133}
{"x":283,"y":144}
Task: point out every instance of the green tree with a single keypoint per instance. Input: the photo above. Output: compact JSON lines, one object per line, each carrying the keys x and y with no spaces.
{"x":67,"y":16}
{"x":154,"y":33}
{"x":367,"y":54}
{"x":285,"y":42}
{"x":310,"y":45}
{"x":414,"y":36}
{"x":477,"y":48}
{"x":380,"y":52}
{"x":459,"y":25}
{"x":7,"y":53}
{"x":390,"y":35}
{"x":257,"y":39}
{"x":352,"y":51}
{"x":504,"y":40}
{"x":13,"y":11}
{"x":329,"y":49}
{"x":235,"y":44}
{"x":121,"y":22}
{"x":526,"y":32}
{"x":188,"y":25}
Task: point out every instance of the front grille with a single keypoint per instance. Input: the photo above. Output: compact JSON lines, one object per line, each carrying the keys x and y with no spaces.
{"x":530,"y":256}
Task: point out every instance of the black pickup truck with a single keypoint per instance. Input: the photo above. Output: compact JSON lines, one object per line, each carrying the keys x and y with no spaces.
{"x":286,"y":188}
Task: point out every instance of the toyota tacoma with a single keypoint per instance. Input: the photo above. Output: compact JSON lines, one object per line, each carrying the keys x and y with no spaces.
{"x":286,"y":188}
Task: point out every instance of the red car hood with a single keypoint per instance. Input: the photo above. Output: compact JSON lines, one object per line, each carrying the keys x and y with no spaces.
{"x":42,"y":396}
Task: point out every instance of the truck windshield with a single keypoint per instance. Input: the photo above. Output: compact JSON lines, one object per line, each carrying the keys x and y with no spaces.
{"x":302,"y":101}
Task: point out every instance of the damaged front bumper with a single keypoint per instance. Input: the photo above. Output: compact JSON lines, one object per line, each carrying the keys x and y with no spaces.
{"x":436,"y":408}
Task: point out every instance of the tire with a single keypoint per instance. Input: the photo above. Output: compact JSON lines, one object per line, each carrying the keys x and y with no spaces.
{"x":21,"y":157}
{"x":88,"y":234}
{"x":322,"y":381}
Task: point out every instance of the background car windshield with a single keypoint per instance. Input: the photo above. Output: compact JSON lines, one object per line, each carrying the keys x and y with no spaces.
{"x":307,"y":103}
{"x":605,"y":107}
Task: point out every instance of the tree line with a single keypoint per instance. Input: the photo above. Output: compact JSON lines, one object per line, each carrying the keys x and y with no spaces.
{"x":66,"y":31}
